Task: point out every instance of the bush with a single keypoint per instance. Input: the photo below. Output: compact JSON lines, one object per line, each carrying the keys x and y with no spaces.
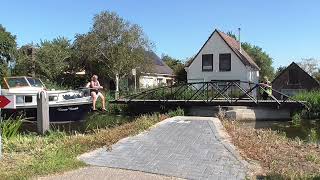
{"x":313,"y":101}
{"x":177,"y":112}
{"x":296,"y":120}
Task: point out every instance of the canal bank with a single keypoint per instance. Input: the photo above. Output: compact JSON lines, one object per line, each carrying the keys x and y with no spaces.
{"x":281,"y":157}
{"x":242,"y":113}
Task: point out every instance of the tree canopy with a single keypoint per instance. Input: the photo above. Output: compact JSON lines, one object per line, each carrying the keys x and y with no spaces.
{"x":177,"y":66}
{"x":51,"y":58}
{"x":113,"y":47}
{"x":8,"y":47}
{"x":261,"y":58}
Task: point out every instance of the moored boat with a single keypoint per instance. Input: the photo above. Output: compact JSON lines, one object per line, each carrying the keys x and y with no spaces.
{"x":64,"y":105}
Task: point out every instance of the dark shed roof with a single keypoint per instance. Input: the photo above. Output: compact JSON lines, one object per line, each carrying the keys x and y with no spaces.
{"x":304,"y":80}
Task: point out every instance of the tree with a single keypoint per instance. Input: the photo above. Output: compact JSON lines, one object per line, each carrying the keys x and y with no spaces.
{"x":261,"y":58}
{"x":310,"y":65}
{"x":51,"y":58}
{"x":8,"y":48}
{"x":317,"y":75}
{"x":113,"y":47}
{"x":25,"y":61}
{"x":177,"y":66}
{"x":279,"y":70}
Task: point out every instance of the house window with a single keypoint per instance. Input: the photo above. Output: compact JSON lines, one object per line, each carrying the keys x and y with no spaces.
{"x":293,"y":77}
{"x":207,"y":62}
{"x":159,"y":81}
{"x":225,"y":62}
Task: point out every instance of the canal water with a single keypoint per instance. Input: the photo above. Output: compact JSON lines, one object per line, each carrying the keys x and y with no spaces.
{"x":307,"y":130}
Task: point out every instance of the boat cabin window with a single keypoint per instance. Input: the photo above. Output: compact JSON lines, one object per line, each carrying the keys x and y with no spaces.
{"x":17,"y":82}
{"x":34,"y":82}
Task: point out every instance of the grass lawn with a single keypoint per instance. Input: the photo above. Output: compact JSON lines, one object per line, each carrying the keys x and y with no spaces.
{"x":30,"y":155}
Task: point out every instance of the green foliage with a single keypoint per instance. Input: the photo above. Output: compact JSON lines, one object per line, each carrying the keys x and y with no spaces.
{"x":25,"y":65}
{"x":51,"y":58}
{"x":296,"y":120}
{"x":10,"y":127}
{"x":98,"y":121}
{"x":261,"y":58}
{"x":3,"y":71}
{"x":8,"y":45}
{"x":177,"y":66}
{"x":313,"y":135}
{"x":313,"y":101}
{"x":113,"y":46}
{"x":57,"y":151}
{"x":177,"y":112}
{"x":279,"y":70}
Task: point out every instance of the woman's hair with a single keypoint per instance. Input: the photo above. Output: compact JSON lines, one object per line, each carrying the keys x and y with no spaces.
{"x":94,"y":76}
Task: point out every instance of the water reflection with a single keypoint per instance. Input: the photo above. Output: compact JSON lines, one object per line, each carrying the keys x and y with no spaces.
{"x":308,"y":130}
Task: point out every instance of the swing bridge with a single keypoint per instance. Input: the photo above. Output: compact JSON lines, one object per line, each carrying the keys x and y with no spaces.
{"x":211,"y":93}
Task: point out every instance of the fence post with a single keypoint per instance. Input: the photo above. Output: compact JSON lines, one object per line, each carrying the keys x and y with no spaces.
{"x":42,"y":112}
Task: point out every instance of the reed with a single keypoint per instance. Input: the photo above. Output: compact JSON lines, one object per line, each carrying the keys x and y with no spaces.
{"x":313,"y":101}
{"x":10,"y":127}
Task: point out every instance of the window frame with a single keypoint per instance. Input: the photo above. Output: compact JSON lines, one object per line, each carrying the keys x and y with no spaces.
{"x":220,"y":58}
{"x":207,"y":70}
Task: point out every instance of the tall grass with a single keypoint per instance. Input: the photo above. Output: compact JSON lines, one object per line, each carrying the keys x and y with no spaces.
{"x":10,"y":127}
{"x":313,"y":101}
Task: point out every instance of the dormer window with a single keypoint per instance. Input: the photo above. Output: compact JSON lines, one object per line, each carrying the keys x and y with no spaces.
{"x":207,"y":62}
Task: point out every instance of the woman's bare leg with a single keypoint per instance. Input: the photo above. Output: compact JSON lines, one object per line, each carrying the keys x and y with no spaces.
{"x":103,"y":99}
{"x":94,"y":100}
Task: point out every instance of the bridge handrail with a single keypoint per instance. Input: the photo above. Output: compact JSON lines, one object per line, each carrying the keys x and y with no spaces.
{"x":256,"y":85}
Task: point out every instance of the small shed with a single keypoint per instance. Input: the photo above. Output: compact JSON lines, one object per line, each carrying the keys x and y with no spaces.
{"x":292,"y":80}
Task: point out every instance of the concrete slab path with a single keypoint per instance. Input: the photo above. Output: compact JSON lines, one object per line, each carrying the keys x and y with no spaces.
{"x":184,"y":147}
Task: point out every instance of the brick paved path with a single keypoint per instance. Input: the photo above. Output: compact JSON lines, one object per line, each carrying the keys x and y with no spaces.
{"x":185,"y":147}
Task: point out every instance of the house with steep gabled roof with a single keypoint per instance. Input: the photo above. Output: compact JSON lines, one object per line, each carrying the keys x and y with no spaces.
{"x":222,"y":58}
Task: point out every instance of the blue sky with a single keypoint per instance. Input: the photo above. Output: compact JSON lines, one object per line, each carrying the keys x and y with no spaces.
{"x":286,"y":29}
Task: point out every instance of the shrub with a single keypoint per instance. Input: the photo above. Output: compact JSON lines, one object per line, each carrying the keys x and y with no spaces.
{"x":296,"y":120}
{"x":177,"y":112}
{"x":313,"y":101}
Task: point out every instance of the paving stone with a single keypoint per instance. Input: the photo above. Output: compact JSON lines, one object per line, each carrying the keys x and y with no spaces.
{"x":188,"y":148}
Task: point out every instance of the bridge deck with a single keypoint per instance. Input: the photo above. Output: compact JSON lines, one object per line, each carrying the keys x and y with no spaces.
{"x":222,"y":102}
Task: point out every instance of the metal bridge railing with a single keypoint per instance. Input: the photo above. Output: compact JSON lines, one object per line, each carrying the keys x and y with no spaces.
{"x":231,"y":91}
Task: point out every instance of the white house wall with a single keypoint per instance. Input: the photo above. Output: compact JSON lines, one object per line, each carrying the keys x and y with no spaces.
{"x":216,"y":46}
{"x":148,"y":81}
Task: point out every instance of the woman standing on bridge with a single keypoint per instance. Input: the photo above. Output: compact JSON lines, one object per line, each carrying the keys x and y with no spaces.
{"x":266,"y":88}
{"x":95,"y":92}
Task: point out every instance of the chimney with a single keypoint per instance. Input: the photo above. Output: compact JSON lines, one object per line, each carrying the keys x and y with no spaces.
{"x":239,"y":30}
